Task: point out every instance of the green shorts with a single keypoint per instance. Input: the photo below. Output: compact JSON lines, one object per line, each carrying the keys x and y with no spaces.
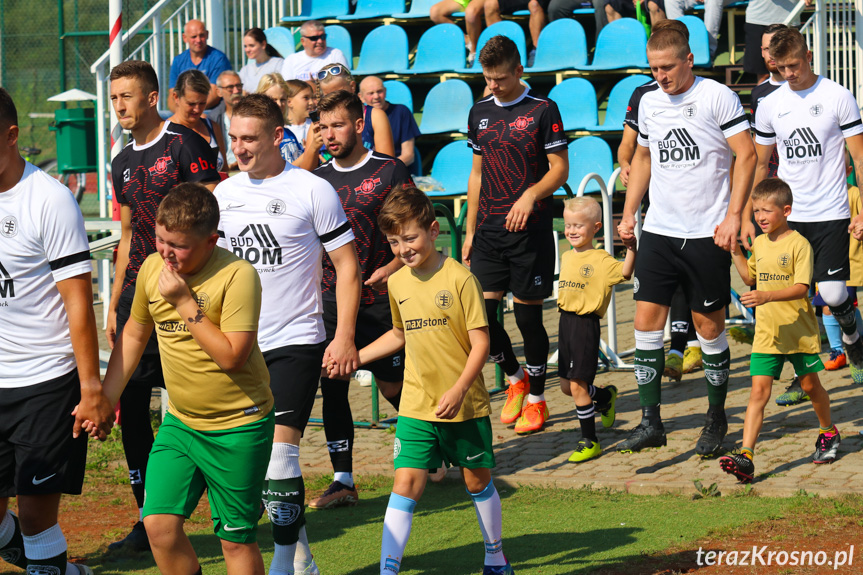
{"x":770,"y":364}
{"x":426,"y":444}
{"x":230,"y":465}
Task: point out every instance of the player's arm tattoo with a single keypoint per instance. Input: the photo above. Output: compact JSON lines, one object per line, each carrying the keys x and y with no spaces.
{"x":199,"y":317}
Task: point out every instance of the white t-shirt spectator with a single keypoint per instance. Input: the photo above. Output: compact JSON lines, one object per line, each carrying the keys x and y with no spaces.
{"x":252,"y":72}
{"x":301,"y":130}
{"x":301,"y":66}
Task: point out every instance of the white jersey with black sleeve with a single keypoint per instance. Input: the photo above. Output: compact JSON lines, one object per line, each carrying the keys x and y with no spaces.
{"x":282,"y":226}
{"x":809,"y":128}
{"x":42,"y":242}
{"x":690,"y":159}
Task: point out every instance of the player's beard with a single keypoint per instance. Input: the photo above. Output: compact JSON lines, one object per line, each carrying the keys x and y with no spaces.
{"x":347,"y":147}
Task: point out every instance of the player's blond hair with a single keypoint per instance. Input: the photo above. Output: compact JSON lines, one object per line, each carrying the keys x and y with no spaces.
{"x":189,"y":208}
{"x":403,"y":205}
{"x":787,"y":43}
{"x":774,"y":190}
{"x":669,"y":39}
{"x":671,"y":24}
{"x":584,"y":205}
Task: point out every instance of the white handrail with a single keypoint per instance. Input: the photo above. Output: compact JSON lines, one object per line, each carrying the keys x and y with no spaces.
{"x":131,"y":32}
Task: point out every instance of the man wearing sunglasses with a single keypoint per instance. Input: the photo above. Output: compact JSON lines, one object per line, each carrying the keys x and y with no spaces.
{"x":315,"y":54}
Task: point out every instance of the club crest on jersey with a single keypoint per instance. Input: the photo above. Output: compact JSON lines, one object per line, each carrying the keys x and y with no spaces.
{"x":127,"y":175}
{"x":784,"y":260}
{"x":586,"y":270}
{"x":276,"y":208}
{"x":816,"y":110}
{"x":161,"y":165}
{"x":9,"y":227}
{"x":203,"y":301}
{"x":443,"y":299}
{"x":690,"y":111}
{"x":368,"y":185}
{"x":521,"y":123}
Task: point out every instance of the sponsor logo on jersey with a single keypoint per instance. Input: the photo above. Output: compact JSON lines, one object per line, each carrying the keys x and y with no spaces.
{"x":784,"y":260}
{"x":802,"y":144}
{"x":816,"y":110}
{"x":678,"y":147}
{"x":257,"y":243}
{"x":768,"y":277}
{"x":276,"y":208}
{"x":563,"y":284}
{"x":483,"y":124}
{"x":172,"y":326}
{"x":7,"y":284}
{"x":586,"y":270}
{"x":420,"y":323}
{"x":9,"y":227}
{"x":368,"y":185}
{"x":521,"y":123}
{"x":161,"y":166}
{"x":443,"y":299}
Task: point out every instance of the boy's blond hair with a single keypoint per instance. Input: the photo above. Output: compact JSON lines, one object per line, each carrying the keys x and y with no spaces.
{"x":403,"y":205}
{"x":189,"y":208}
{"x":584,"y":205}
{"x":774,"y":190}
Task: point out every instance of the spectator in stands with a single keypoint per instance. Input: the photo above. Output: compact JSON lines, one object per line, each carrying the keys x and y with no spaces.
{"x":617,"y":9}
{"x":230,"y":90}
{"x":189,"y":97}
{"x":315,"y":55}
{"x":199,"y":56}
{"x":441,"y":13}
{"x":558,"y":9}
{"x":377,"y":132}
{"x":674,"y":9}
{"x":303,"y":154}
{"x":759,"y":15}
{"x":538,"y":18}
{"x":263,"y":58}
{"x":301,"y":100}
{"x":405,"y":130}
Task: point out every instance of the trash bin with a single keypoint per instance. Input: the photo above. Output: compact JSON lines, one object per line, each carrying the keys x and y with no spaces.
{"x":76,"y":140}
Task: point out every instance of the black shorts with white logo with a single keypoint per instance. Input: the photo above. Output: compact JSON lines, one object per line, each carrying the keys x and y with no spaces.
{"x":830,"y":242}
{"x":697,"y":265}
{"x":149,"y":370}
{"x":578,"y":346}
{"x":520,"y":262}
{"x":295,"y":371}
{"x":373,"y":320}
{"x":37,"y":453}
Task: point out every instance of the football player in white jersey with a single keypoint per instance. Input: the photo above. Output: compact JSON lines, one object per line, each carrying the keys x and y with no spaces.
{"x":688,"y":131}
{"x":49,"y":356}
{"x":810,"y":120}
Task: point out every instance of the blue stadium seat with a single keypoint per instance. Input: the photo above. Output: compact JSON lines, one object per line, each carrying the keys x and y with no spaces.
{"x":446,"y":108}
{"x":339,"y":37}
{"x":320,"y":10}
{"x":562,"y":45}
{"x":506,"y":28}
{"x":419,"y":9}
{"x":586,"y":155}
{"x":618,"y":101}
{"x":451,"y":167}
{"x":698,"y":39}
{"x":576,"y":99}
{"x":385,"y":49}
{"x":399,"y":93}
{"x":621,"y":44}
{"x":281,"y":39}
{"x":440,"y":49}
{"x":375,"y":9}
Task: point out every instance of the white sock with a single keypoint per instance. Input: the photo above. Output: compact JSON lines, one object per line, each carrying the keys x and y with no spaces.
{"x":849,"y":339}
{"x":284,"y":464}
{"x":7,"y":529}
{"x":397,"y":529}
{"x":693,"y":343}
{"x":71,"y":570}
{"x":140,"y":514}
{"x":488,"y":513}
{"x":303,"y":556}
{"x":344,"y":478}
{"x":283,"y":559}
{"x":517,"y":376}
{"x":45,"y":545}
{"x":531,"y":398}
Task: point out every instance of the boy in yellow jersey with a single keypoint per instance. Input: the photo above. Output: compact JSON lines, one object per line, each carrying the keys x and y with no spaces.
{"x":780,"y":267}
{"x":439,"y":317}
{"x":587,"y":275}
{"x":204,"y":303}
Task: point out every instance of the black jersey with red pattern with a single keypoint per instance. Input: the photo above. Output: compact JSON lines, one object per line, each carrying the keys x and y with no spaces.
{"x":760,"y":92}
{"x":631,"y":118}
{"x":143,"y":175}
{"x":362,"y":189}
{"x":514,"y":141}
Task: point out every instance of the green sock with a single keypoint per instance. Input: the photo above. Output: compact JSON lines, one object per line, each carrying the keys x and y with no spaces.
{"x":716,"y":373}
{"x":649,"y":366}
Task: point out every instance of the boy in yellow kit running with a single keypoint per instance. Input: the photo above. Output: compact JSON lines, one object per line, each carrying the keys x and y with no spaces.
{"x":439,"y":317}
{"x":785,"y":328}
{"x":587,"y":275}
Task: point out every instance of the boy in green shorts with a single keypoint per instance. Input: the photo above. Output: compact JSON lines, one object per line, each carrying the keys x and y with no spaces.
{"x":218,"y":432}
{"x":781,"y":268}
{"x":439,"y":318}
{"x":587,"y":276}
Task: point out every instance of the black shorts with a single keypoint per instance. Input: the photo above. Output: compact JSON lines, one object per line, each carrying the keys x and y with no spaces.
{"x":520,"y":262}
{"x":149,"y":370}
{"x":622,"y":7}
{"x":373,"y":320}
{"x":37,"y":453}
{"x":578,"y":346}
{"x":295,"y":371}
{"x":753,"y":61}
{"x":512,"y":6}
{"x":697,"y":265}
{"x":830,"y":242}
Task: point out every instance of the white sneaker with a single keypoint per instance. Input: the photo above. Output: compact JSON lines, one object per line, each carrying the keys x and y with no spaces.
{"x":471,"y":57}
{"x":531,"y":56}
{"x":311,"y":569}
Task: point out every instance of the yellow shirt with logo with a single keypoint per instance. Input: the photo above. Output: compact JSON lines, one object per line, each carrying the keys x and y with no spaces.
{"x":784,"y":327}
{"x":436,"y":311}
{"x":201,"y":394}
{"x":586,"y":279}
{"x":855,"y":253}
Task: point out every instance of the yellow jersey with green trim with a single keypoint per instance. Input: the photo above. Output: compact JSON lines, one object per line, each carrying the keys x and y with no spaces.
{"x":855,"y":251}
{"x":201,"y":394}
{"x":586,"y":279}
{"x":436,"y":311}
{"x":784,"y":326}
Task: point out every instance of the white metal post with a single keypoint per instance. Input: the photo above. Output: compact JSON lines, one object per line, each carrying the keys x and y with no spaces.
{"x":214,"y":12}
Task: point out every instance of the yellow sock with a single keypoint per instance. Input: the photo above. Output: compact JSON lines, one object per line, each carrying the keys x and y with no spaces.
{"x":748,"y":453}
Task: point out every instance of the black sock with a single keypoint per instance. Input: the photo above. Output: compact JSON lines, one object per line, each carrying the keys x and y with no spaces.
{"x":56,"y":564}
{"x":529,"y":321}
{"x":395,"y":400}
{"x":13,"y":551}
{"x":338,"y":423}
{"x":650,"y":414}
{"x":681,"y":319}
{"x":844,"y":314}
{"x":587,"y":421}
{"x":500,"y":347}
{"x":137,"y":435}
{"x":600,"y":395}
{"x":286,"y":507}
